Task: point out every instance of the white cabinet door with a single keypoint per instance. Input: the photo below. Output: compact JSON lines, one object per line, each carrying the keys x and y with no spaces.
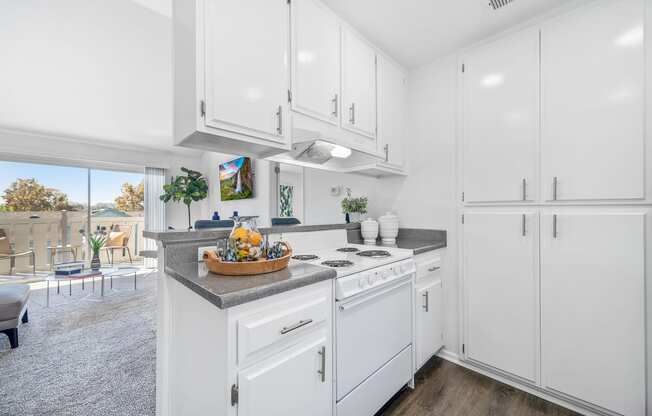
{"x":358,"y":85}
{"x":429,"y":335}
{"x":290,"y":383}
{"x":392,"y":104}
{"x":501,"y":290}
{"x":592,"y":307}
{"x":592,"y":86}
{"x":315,"y":61}
{"x":247,"y":72}
{"x":501,"y":120}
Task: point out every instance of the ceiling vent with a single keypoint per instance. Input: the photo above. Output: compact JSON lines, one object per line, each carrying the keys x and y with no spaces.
{"x":497,"y":4}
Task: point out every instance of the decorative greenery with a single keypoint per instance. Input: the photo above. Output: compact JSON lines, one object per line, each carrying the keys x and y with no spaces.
{"x":286,"y":194}
{"x":354,"y":205}
{"x":97,"y":241}
{"x":186,"y":189}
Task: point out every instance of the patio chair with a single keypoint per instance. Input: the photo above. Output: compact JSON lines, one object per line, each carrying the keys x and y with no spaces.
{"x":7,"y":253}
{"x":118,"y":239}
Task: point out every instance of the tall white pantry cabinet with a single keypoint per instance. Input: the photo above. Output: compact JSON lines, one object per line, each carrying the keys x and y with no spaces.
{"x":555,"y":214}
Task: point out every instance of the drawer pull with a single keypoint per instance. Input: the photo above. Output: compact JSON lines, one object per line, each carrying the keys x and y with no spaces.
{"x":298,"y":325}
{"x":432,"y":269}
{"x":425,"y":295}
{"x":322,"y":371}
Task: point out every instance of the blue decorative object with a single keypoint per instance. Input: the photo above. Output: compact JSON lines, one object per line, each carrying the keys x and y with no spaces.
{"x":216,"y":216}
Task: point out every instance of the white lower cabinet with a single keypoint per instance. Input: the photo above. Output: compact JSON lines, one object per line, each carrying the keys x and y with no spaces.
{"x":593,"y":306}
{"x":428,"y":314}
{"x":296,"y":381}
{"x":501,"y":290}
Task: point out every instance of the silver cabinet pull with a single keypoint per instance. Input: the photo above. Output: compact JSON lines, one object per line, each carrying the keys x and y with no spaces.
{"x":322,"y":370}
{"x":524,"y":190}
{"x":554,"y":188}
{"x":298,"y":325}
{"x":554,"y":226}
{"x":279,"y":117}
{"x":386,"y":148}
{"x":334,"y":101}
{"x":425,"y":295}
{"x":523,"y":225}
{"x":432,"y":269}
{"x":352,"y":113}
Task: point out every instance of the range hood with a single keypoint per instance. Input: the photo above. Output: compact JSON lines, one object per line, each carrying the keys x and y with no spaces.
{"x":314,"y":150}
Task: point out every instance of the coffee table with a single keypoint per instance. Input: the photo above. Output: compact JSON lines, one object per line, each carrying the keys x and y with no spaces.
{"x":103,"y":272}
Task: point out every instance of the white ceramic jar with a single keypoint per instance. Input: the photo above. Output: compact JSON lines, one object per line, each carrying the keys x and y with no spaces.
{"x":388,"y":228}
{"x":369,"y":230}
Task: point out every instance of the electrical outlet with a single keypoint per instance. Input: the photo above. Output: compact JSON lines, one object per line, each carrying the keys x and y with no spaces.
{"x":200,"y":251}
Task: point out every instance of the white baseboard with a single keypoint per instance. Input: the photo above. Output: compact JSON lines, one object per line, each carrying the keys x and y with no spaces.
{"x":536,"y":391}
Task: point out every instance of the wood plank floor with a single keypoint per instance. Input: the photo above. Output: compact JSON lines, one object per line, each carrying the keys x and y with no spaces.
{"x":446,"y":389}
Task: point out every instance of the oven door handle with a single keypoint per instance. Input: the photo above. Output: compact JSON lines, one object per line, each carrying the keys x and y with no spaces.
{"x":365,"y":298}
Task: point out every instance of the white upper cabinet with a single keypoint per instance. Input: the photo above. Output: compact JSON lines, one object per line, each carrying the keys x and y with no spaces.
{"x":592,"y":85}
{"x":246,"y":66}
{"x":501,"y":120}
{"x":593,"y":306}
{"x":315,"y":61}
{"x":358,"y":85}
{"x":392,"y":105}
{"x":501,"y":290}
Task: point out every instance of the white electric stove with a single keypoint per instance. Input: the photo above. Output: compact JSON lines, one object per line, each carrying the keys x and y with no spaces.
{"x":374,"y":306}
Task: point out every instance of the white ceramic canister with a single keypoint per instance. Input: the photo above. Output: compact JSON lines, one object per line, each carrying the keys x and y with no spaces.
{"x":388,"y":228}
{"x":369,"y":230}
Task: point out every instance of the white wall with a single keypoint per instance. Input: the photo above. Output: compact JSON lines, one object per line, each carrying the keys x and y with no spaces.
{"x":426,"y":197}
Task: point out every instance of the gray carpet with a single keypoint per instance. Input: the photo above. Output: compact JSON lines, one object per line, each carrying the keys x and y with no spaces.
{"x":83,"y":357}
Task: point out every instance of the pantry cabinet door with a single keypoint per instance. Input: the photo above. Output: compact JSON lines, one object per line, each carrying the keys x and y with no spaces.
{"x":429,"y":308}
{"x":289,"y":383}
{"x":593,"y":93}
{"x":247,"y":71}
{"x":315,"y":61}
{"x":592,"y":307}
{"x":501,"y":120}
{"x":392,"y":105}
{"x":358,"y":85}
{"x":501,"y":291}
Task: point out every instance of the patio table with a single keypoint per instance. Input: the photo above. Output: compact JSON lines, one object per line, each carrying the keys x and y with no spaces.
{"x":103,"y":272}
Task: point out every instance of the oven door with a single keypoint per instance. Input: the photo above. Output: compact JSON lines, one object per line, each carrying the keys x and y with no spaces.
{"x":372,"y":328}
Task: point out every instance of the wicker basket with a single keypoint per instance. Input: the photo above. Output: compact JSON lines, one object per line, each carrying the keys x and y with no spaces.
{"x":246,"y":268}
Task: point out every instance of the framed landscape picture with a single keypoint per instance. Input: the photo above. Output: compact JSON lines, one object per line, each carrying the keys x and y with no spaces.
{"x":236,"y":179}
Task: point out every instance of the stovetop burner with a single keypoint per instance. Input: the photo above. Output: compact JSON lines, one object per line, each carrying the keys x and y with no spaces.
{"x":374,"y":253}
{"x":348,"y":249}
{"x":305,"y":257}
{"x":337,"y":263}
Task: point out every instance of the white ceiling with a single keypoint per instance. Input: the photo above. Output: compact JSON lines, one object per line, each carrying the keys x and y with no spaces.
{"x":415,"y":32}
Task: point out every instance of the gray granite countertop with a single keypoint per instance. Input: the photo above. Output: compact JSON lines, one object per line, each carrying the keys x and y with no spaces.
{"x":175,"y":236}
{"x":226,"y":291}
{"x":418,"y":240}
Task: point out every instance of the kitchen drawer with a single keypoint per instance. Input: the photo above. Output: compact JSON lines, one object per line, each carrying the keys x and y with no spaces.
{"x":428,"y":267}
{"x":281,"y":322}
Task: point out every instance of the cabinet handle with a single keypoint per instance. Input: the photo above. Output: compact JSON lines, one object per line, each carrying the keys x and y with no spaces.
{"x":322,"y":371}
{"x":524,"y":190}
{"x":427,"y":301}
{"x":334,"y":101}
{"x":523,"y":225}
{"x":554,"y":188}
{"x":386,"y":148}
{"x":352,"y":113}
{"x":298,"y":325}
{"x":279,"y":116}
{"x":554,"y":226}
{"x":432,"y":269}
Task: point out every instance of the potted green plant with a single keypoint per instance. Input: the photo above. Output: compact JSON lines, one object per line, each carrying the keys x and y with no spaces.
{"x":96,"y":241}
{"x":354,"y":208}
{"x":191,"y":187}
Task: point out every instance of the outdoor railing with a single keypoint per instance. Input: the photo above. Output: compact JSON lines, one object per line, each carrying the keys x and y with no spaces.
{"x":39,"y":230}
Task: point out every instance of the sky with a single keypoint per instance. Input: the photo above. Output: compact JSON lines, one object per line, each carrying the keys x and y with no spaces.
{"x":105,"y":185}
